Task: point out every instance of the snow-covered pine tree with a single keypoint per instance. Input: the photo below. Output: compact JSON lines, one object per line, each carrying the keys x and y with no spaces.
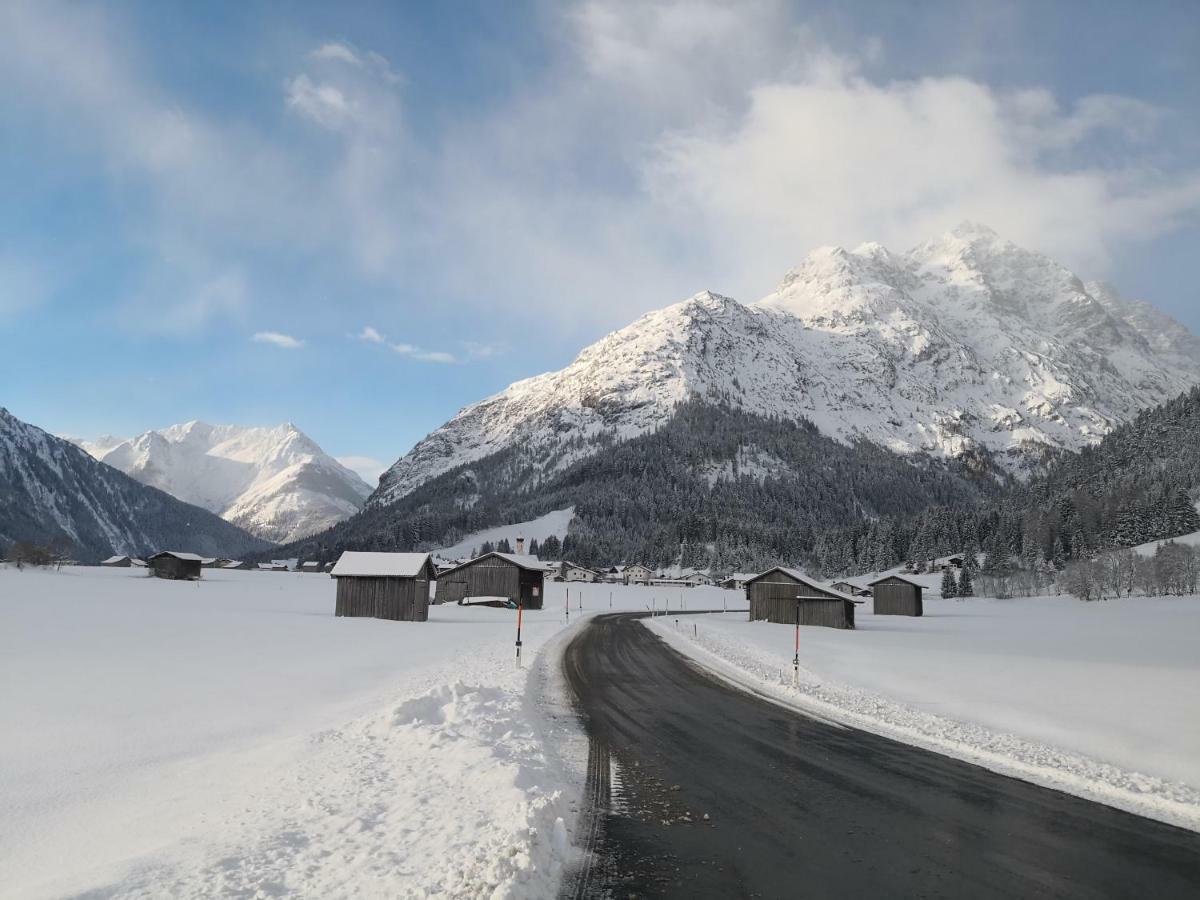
{"x":966,"y":585}
{"x":949,"y":585}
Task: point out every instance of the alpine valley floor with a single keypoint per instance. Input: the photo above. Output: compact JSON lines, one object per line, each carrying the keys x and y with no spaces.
{"x":233,"y":737}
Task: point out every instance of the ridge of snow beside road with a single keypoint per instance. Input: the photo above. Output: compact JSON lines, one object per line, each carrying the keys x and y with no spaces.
{"x":232,"y":737}
{"x":757,"y":670}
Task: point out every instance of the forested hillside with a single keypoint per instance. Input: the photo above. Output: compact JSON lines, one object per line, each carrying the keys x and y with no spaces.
{"x":1139,"y":484}
{"x":715,"y":486}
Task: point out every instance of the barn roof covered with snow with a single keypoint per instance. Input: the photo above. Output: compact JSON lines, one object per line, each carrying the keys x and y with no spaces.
{"x":362,"y":564}
{"x":190,"y":557}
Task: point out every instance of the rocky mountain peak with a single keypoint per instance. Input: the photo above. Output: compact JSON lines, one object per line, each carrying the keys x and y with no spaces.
{"x":966,"y":344}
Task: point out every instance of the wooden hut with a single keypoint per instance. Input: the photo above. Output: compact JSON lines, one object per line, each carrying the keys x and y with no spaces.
{"x":117,"y":562}
{"x":776,"y":594}
{"x":216,"y":562}
{"x":237,"y":565}
{"x":310,"y":566}
{"x":520,"y":579}
{"x":896,"y":595}
{"x":384,"y":585}
{"x":175,"y":565}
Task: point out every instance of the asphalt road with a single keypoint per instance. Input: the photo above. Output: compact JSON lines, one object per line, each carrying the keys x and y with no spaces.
{"x":700,"y":790}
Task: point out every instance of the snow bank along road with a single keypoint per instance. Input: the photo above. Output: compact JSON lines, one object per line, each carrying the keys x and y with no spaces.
{"x":701,"y":790}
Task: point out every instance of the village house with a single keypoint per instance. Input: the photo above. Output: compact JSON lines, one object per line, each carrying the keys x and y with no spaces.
{"x":853,"y":590}
{"x":636,"y":574}
{"x":570,"y":571}
{"x":736,"y":581}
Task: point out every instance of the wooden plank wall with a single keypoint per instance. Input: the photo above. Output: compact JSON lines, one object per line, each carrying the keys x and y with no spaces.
{"x":399,"y":599}
{"x":170,"y":567}
{"x":895,"y":598}
{"x":827,"y":612}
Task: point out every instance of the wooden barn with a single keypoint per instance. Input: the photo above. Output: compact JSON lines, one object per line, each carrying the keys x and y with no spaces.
{"x":175,"y":565}
{"x":509,"y":576}
{"x":216,"y":562}
{"x":775,"y":595}
{"x":896,"y":595}
{"x":118,"y":562}
{"x":238,"y":566}
{"x":310,"y":566}
{"x":384,"y":585}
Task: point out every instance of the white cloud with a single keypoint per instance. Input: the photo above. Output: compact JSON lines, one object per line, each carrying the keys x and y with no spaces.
{"x":417,"y":353}
{"x":368,"y":468}
{"x":275,"y":338}
{"x":337,"y":51}
{"x":372,"y":335}
{"x":665,"y":147}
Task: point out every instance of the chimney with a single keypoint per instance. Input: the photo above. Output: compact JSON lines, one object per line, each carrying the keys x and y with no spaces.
{"x":520,"y":545}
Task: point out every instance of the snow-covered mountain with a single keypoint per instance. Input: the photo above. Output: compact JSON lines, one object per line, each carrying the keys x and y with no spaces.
{"x":49,"y":489}
{"x":274,"y":482}
{"x":966,"y":345}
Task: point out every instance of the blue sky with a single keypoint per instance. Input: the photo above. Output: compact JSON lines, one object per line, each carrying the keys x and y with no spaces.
{"x":361,"y":217}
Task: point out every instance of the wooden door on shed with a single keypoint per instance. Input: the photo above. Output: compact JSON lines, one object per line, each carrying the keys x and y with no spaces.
{"x":530,"y":594}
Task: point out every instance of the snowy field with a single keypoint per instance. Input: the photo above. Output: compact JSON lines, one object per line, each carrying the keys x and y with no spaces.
{"x":1099,"y":699}
{"x":233,"y":737}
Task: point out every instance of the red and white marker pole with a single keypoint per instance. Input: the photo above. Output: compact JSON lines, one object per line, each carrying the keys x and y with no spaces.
{"x":568,"y":606}
{"x":796,"y":658}
{"x":520,"y":610}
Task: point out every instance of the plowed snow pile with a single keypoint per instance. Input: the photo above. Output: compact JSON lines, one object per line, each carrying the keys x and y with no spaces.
{"x":234,"y":738}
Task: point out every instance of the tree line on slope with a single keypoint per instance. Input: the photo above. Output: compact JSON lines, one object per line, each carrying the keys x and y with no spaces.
{"x":714,"y":487}
{"x":1135,"y":486}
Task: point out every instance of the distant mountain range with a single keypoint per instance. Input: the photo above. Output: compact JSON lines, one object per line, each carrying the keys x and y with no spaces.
{"x":51,"y":489}
{"x":966,"y":347}
{"x":275,"y":483}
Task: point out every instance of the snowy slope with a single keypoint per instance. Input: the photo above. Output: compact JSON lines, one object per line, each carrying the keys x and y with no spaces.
{"x":50,"y":488}
{"x":553,"y":523}
{"x":274,"y":482}
{"x":965,"y":344}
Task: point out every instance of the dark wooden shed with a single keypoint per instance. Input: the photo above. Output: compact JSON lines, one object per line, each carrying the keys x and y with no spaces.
{"x":510,"y":576}
{"x":384,"y":585}
{"x":118,"y":562}
{"x":174,"y":565}
{"x":896,"y":595}
{"x":773,"y":597}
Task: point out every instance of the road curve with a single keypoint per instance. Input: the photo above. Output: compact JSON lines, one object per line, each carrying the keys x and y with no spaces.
{"x":798,"y":807}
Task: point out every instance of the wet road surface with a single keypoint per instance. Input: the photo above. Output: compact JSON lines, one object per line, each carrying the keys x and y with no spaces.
{"x":699,"y":790}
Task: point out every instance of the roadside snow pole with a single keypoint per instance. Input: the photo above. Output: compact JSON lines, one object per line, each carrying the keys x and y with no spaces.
{"x":520,"y":610}
{"x":568,"y":606}
{"x":610,"y":599}
{"x":796,"y":658}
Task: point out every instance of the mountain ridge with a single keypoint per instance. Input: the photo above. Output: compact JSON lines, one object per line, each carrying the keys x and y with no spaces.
{"x":52,"y":488}
{"x":965,"y":347}
{"x":274,"y":482}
